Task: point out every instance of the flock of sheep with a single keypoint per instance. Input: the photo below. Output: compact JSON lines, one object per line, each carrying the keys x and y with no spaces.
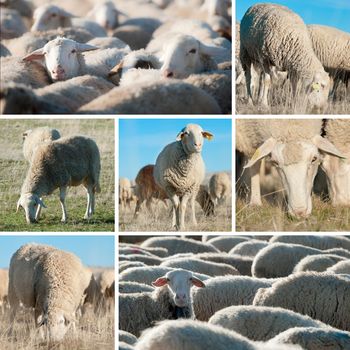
{"x":55,"y":289}
{"x":116,"y":57}
{"x":274,"y":45}
{"x":178,"y":175}
{"x":234,"y":292}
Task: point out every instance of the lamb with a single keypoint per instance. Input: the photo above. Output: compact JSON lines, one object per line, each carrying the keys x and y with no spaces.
{"x":126,"y":337}
{"x":270,"y":320}
{"x":123,"y":265}
{"x":287,"y":255}
{"x":11,"y":24}
{"x":312,"y":338}
{"x":324,"y":297}
{"x":134,"y":287}
{"x":170,"y":97}
{"x":148,"y":260}
{"x":264,"y":28}
{"x":176,"y":245}
{"x":224,"y":291}
{"x":340,"y":267}
{"x":4,"y":281}
{"x":125,"y":193}
{"x":105,"y":14}
{"x":250,"y":248}
{"x":197,"y":265}
{"x":179,"y":171}
{"x":74,"y":160}
{"x":63,"y":59}
{"x":172,"y":300}
{"x":318,"y":262}
{"x":295,"y":146}
{"x":50,"y":280}
{"x":226,"y":243}
{"x":51,"y":17}
{"x":338,"y":170}
{"x":220,"y":187}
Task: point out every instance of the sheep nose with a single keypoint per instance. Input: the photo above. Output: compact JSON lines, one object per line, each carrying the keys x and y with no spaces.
{"x":198,"y":144}
{"x":301,"y":212}
{"x":181,"y":296}
{"x":168,"y":73}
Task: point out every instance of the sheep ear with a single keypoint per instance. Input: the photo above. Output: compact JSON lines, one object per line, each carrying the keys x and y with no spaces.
{"x":85,"y":47}
{"x":197,"y":282}
{"x":26,"y":133}
{"x":207,"y":135}
{"x":326,"y":146}
{"x":35,"y":55}
{"x":265,"y":149}
{"x":211,"y":50}
{"x":159,"y":282}
{"x":116,"y":69}
{"x":180,"y":135}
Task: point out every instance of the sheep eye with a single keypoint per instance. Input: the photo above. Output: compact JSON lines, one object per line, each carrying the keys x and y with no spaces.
{"x":314,"y":159}
{"x":193,"y":51}
{"x":74,"y":51}
{"x":168,"y":279}
{"x":53,"y":14}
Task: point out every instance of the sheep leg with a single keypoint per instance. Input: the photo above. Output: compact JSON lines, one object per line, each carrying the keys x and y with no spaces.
{"x":249,"y":84}
{"x":182,"y":212}
{"x":38,"y":211}
{"x":255,"y":195}
{"x":265,"y":83}
{"x":138,"y":207}
{"x":193,"y":207}
{"x":62,"y":198}
{"x":176,"y":215}
{"x":90,"y":202}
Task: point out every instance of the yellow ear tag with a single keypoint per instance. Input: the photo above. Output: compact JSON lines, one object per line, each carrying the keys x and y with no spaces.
{"x":256,"y":155}
{"x":208,"y":136}
{"x":316,"y":86}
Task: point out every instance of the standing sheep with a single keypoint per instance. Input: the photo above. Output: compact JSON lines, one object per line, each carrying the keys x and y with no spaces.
{"x":51,"y":281}
{"x":68,"y":161}
{"x":273,"y":35}
{"x":179,"y":171}
{"x":220,"y":187}
{"x":125,"y":193}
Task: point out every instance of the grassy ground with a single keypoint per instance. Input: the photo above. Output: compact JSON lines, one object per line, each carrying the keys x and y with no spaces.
{"x":160,"y":219}
{"x":13,"y":170}
{"x":270,"y":217}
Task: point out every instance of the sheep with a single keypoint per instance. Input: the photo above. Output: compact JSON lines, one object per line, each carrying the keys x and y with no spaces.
{"x":224,"y":291}
{"x":108,"y":42}
{"x":148,"y":274}
{"x":14,"y":70}
{"x":125,"y":250}
{"x":51,"y":281}
{"x":295,"y":146}
{"x":51,"y":17}
{"x":24,"y":7}
{"x":73,"y":160}
{"x":264,"y":28}
{"x":318,"y":242}
{"x":172,"y":300}
{"x":261,"y":323}
{"x":195,"y":335}
{"x":105,"y":279}
{"x":11,"y":24}
{"x":105,"y":14}
{"x":200,"y":266}
{"x":4,"y":51}
{"x":226,"y":243}
{"x":123,"y":265}
{"x":287,"y":255}
{"x":134,"y":287}
{"x":324,"y":297}
{"x":161,"y":252}
{"x":318,"y":262}
{"x":4,"y":281}
{"x":312,"y":338}
{"x":220,"y":187}
{"x":126,"y":337}
{"x":249,"y":248}
{"x":125,"y":193}
{"x":338,"y":170}
{"x":148,"y":260}
{"x":177,"y":245}
{"x":179,"y":171}
{"x":170,"y":97}
{"x":341,"y":267}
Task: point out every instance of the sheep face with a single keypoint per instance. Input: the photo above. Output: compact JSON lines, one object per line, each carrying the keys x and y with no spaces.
{"x":30,"y":202}
{"x":216,"y":7}
{"x":318,"y":91}
{"x":192,"y":138}
{"x":61,"y":57}
{"x":106,"y":15}
{"x":179,"y":283}
{"x":55,"y":325}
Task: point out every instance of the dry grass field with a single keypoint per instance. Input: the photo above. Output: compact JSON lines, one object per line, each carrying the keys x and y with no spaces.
{"x":13,"y":168}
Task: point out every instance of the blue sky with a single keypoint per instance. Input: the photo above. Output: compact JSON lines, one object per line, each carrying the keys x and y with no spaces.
{"x":92,"y":250}
{"x":141,"y":140}
{"x":334,"y":13}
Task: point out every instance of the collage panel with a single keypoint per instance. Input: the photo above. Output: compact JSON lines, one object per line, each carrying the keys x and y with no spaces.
{"x":168,"y":165}
{"x":59,"y":173}
{"x":57,"y":292}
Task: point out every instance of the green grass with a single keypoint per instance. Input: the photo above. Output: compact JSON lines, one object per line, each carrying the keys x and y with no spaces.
{"x":13,"y":170}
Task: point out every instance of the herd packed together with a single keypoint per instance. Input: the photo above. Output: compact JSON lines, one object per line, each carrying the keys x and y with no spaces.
{"x":108,"y":57}
{"x":234,"y":292}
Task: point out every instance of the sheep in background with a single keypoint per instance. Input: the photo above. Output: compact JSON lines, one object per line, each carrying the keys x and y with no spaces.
{"x":11,"y":24}
{"x":124,"y":265}
{"x":220,"y":187}
{"x":226,"y":243}
{"x":24,"y":7}
{"x":105,"y":14}
{"x":4,"y":282}
{"x":68,"y":161}
{"x":179,"y":171}
{"x":248,"y":248}
{"x":171,"y":300}
{"x":318,"y":262}
{"x":341,"y":267}
{"x":134,"y":287}
{"x":124,"y":193}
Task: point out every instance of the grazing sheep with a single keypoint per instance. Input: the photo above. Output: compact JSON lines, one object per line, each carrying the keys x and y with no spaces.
{"x":105,"y":279}
{"x":249,"y":248}
{"x":338,"y":170}
{"x":172,"y":300}
{"x":341,"y":267}
{"x":264,"y":28}
{"x":68,"y":161}
{"x":312,"y":338}
{"x":134,"y":287}
{"x":63,"y":59}
{"x":126,"y":337}
{"x":226,"y":243}
{"x":11,"y":24}
{"x":176,"y":245}
{"x":318,"y":262}
{"x":148,"y":260}
{"x":179,"y":171}
{"x":52,"y":282}
{"x":224,"y":291}
{"x":220,"y":187}
{"x":123,"y":265}
{"x":4,"y":281}
{"x":261,"y":322}
{"x":295,"y":146}
{"x":197,"y":265}
{"x":51,"y":17}
{"x":324,"y":297}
